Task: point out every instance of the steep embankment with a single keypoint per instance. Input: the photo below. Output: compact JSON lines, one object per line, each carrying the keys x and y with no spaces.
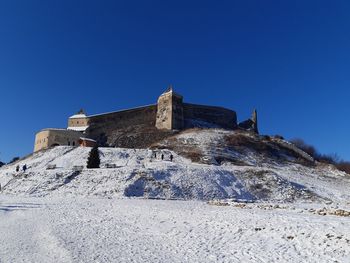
{"x":208,"y":164}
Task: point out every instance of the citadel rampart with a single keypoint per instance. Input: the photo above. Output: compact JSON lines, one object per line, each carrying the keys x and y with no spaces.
{"x":120,"y":119}
{"x":197,"y":115}
{"x":141,"y":127}
{"x":122,"y":127}
{"x":52,"y":137}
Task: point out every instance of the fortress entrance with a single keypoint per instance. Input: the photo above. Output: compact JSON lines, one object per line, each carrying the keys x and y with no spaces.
{"x":54,"y":145}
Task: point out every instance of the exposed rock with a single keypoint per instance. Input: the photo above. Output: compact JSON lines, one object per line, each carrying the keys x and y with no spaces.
{"x":250,"y":124}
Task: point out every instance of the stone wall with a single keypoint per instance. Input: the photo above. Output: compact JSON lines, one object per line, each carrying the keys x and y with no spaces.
{"x":170,"y":111}
{"x":216,"y":116}
{"x":136,"y":128}
{"x":54,"y":137}
{"x":139,"y":127}
{"x":78,"y":122}
{"x":105,"y":128}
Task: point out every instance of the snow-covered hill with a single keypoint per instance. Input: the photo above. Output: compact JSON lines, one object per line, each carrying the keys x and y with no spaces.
{"x":59,"y":211}
{"x":207,"y":164}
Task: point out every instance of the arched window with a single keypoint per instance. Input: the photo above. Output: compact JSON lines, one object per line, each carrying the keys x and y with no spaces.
{"x":68,"y":143}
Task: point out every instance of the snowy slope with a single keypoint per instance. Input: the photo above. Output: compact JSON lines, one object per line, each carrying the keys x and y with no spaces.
{"x":38,"y":230}
{"x":94,"y":215}
{"x":137,"y":173}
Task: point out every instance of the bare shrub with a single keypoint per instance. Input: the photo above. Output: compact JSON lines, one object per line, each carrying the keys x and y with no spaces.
{"x":193,"y":156}
{"x":309,"y":149}
{"x":328,"y":158}
{"x":239,"y":140}
{"x":344,"y":166}
{"x":323,"y":158}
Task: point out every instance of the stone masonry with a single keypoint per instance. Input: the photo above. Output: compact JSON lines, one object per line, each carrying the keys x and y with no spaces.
{"x":141,"y":127}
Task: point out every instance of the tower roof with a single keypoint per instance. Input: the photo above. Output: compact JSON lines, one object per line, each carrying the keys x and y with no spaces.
{"x":79,"y":114}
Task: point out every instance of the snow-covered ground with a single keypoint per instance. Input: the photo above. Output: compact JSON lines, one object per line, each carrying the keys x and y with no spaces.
{"x":137,"y":230}
{"x":263,"y":210}
{"x":137,"y":173}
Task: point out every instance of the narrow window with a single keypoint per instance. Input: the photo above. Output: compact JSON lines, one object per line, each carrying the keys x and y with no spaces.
{"x":73,"y":143}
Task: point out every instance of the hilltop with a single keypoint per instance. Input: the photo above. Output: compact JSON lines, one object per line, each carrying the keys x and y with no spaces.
{"x":208,"y":164}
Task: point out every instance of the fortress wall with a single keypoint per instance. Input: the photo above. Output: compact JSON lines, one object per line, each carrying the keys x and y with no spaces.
{"x":170,"y":111}
{"x":121,"y":119}
{"x":103,"y":127}
{"x":138,"y":127}
{"x":41,"y":140}
{"x":219,"y":116}
{"x":51,"y":137}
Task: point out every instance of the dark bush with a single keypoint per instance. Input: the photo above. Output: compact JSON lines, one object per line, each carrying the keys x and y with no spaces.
{"x":266,"y":137}
{"x":327,"y":158}
{"x":193,"y":156}
{"x":1,"y":163}
{"x":344,"y":166}
{"x":94,"y":158}
{"x":238,"y":141}
{"x":311,"y":150}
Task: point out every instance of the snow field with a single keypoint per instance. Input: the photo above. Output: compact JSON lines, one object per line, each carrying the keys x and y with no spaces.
{"x":138,"y":230}
{"x":137,"y":173}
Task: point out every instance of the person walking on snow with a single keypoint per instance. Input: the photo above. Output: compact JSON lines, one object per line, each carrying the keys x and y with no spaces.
{"x":162,"y":157}
{"x":171,"y":157}
{"x":17,"y":168}
{"x":24,"y":168}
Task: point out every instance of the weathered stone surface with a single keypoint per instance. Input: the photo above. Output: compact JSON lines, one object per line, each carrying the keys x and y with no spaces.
{"x":255,"y":121}
{"x":250,"y":124}
{"x":170,"y":111}
{"x":217,"y":116}
{"x":105,"y":128}
{"x":140,"y":127}
{"x":53,"y":137}
{"x":247,"y":124}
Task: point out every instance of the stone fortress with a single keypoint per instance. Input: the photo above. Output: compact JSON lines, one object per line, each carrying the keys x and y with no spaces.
{"x":141,"y":127}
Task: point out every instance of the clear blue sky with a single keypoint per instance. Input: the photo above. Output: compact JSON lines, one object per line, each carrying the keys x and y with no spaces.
{"x":289,"y":59}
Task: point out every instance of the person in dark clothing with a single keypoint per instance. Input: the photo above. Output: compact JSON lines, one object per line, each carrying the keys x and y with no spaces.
{"x":162,"y":157}
{"x":171,"y":157}
{"x":17,"y":168}
{"x":155,"y":155}
{"x":24,"y":168}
